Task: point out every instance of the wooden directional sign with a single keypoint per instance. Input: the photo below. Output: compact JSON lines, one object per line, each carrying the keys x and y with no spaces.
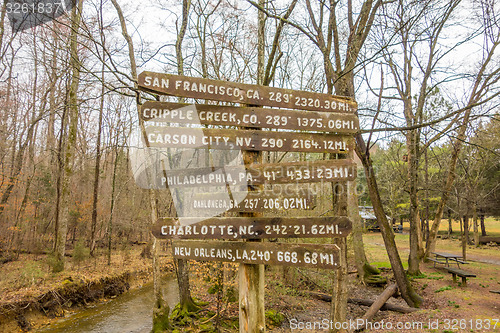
{"x":249,"y":117}
{"x":241,"y":93}
{"x":252,"y":140}
{"x":253,"y":201}
{"x":252,"y":227}
{"x":259,"y":174}
{"x":325,"y":256}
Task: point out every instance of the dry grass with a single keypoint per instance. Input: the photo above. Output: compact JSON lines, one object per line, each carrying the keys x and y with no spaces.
{"x":31,"y":275}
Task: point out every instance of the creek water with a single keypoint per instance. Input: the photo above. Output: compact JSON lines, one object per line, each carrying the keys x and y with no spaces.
{"x":130,"y":312}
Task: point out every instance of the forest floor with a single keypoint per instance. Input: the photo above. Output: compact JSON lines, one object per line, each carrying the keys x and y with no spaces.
{"x":448,"y":306}
{"x":27,"y":281}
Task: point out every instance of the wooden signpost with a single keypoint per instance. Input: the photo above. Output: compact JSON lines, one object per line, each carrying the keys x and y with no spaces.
{"x":261,"y":174}
{"x":252,"y":227}
{"x":305,"y":122}
{"x":191,"y":87}
{"x":254,"y":201}
{"x":302,"y":255}
{"x":164,"y":112}
{"x":251,"y":140}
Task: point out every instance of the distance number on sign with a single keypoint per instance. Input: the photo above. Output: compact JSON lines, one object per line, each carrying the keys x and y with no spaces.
{"x":302,"y":230}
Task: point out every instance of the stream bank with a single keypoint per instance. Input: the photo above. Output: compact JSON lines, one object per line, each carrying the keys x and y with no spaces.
{"x":73,"y":295}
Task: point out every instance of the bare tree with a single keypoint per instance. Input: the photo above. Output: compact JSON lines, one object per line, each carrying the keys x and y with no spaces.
{"x":487,"y":76}
{"x":417,"y":28}
{"x":339,"y":74}
{"x":161,"y":309}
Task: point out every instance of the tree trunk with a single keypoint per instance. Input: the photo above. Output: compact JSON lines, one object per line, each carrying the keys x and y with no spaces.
{"x":476,"y":227}
{"x":407,"y":291}
{"x":73,"y":114}
{"x":95,"y":198}
{"x":112,"y":206}
{"x":182,"y":268}
{"x":427,"y":208}
{"x":161,"y":309}
{"x":465,"y":236}
{"x":483,"y":227}
{"x":52,"y":98}
{"x":2,"y":23}
{"x":450,"y":226}
{"x":357,"y":232}
{"x":344,"y":86}
{"x":415,"y":230}
{"x":362,"y":265}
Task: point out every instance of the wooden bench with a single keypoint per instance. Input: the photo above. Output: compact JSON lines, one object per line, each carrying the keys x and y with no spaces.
{"x":436,"y":261}
{"x":460,"y":272}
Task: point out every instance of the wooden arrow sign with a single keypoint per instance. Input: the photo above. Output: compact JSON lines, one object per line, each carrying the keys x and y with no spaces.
{"x":183,"y":86}
{"x":249,"y":117}
{"x":325,"y":256}
{"x":260,"y":174}
{"x":229,"y":139}
{"x":252,"y":227}
{"x":265,"y":201}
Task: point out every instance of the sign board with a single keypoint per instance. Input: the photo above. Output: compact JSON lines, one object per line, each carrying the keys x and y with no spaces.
{"x":260,"y":174}
{"x":251,"y":140}
{"x":249,"y":117}
{"x":306,"y":122}
{"x":254,"y":201}
{"x":252,"y":227}
{"x":325,"y":256}
{"x":183,"y":86}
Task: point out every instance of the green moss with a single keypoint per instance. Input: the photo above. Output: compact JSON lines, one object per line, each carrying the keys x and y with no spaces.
{"x":274,"y":319}
{"x":161,"y":322}
{"x":371,"y":270}
{"x":376,"y":279}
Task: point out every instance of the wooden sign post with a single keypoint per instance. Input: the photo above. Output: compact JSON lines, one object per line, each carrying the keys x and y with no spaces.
{"x":305,"y":122}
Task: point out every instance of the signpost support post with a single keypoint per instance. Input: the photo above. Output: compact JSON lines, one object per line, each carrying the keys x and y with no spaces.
{"x":251,"y":280}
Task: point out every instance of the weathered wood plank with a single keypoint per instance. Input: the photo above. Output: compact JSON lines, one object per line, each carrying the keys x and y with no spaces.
{"x":183,"y":86}
{"x":287,"y":254}
{"x":252,"y":227}
{"x":250,"y":140}
{"x":265,"y":201}
{"x":249,"y":117}
{"x":260,"y":174}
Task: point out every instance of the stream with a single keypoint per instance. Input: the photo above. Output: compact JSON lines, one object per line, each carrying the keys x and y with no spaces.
{"x":130,"y":312}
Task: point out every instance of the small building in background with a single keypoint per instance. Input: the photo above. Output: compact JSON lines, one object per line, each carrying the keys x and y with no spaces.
{"x":369,"y":219}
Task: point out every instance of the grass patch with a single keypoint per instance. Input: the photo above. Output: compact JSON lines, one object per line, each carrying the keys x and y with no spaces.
{"x":387,"y":264}
{"x":420,"y":276}
{"x":443,"y":289}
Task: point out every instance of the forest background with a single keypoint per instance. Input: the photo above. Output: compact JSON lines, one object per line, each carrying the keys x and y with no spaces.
{"x":424,"y":73}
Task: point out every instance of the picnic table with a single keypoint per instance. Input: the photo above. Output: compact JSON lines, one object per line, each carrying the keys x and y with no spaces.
{"x":446,"y":258}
